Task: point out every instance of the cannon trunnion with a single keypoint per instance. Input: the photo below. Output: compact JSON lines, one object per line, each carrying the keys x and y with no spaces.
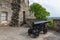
{"x":36,"y":28}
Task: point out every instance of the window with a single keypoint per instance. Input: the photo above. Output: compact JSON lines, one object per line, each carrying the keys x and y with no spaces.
{"x":4,"y":16}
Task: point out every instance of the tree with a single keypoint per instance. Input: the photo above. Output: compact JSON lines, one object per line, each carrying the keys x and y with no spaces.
{"x":39,"y":11}
{"x":15,"y":14}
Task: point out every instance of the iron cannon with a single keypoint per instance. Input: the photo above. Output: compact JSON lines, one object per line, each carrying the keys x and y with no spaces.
{"x":37,"y":27}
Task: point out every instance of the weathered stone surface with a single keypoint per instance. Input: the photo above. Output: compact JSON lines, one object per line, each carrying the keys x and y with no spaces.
{"x":24,"y":7}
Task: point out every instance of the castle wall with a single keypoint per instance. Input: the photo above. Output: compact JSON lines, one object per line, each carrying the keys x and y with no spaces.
{"x":7,"y":8}
{"x":57,"y":23}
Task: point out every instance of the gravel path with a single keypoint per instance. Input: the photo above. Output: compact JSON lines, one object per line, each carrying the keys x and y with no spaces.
{"x":20,"y":33}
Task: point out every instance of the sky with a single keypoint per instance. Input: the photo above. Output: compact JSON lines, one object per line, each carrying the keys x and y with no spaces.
{"x":53,"y":6}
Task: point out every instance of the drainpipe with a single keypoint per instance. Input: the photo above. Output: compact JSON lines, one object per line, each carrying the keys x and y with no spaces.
{"x":24,"y":19}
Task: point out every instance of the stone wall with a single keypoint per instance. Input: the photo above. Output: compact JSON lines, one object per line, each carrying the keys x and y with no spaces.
{"x":24,"y":7}
{"x":5,"y":8}
{"x":57,"y":23}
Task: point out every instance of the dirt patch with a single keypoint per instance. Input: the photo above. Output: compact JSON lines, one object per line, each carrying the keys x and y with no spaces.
{"x":21,"y":33}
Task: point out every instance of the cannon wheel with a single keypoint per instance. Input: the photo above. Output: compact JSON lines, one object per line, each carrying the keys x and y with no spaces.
{"x":33,"y":35}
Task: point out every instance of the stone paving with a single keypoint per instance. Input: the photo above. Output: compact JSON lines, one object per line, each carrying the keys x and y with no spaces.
{"x":20,"y":33}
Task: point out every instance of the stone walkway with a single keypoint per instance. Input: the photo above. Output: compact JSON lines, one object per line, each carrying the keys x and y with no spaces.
{"x":20,"y":33}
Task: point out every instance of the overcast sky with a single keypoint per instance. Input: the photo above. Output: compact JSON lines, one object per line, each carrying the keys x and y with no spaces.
{"x":53,"y":6}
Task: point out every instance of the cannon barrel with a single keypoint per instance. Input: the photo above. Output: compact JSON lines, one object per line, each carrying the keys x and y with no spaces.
{"x":40,"y":22}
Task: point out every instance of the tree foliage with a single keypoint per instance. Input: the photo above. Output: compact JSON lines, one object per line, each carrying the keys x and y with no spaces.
{"x":39,"y":11}
{"x":15,"y":6}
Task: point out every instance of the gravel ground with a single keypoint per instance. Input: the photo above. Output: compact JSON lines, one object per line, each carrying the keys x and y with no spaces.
{"x":20,"y":33}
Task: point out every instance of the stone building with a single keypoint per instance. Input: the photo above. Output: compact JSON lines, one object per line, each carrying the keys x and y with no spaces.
{"x":6,"y":12}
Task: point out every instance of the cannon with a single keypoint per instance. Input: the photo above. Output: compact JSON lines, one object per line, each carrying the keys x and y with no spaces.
{"x":37,"y":27}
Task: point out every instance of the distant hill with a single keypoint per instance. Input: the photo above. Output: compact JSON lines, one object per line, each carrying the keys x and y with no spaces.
{"x":53,"y":17}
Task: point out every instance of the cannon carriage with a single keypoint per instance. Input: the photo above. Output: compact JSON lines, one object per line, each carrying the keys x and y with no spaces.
{"x":37,"y":27}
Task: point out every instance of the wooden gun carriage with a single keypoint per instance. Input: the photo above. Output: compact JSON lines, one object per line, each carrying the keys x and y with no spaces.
{"x":37,"y":27}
